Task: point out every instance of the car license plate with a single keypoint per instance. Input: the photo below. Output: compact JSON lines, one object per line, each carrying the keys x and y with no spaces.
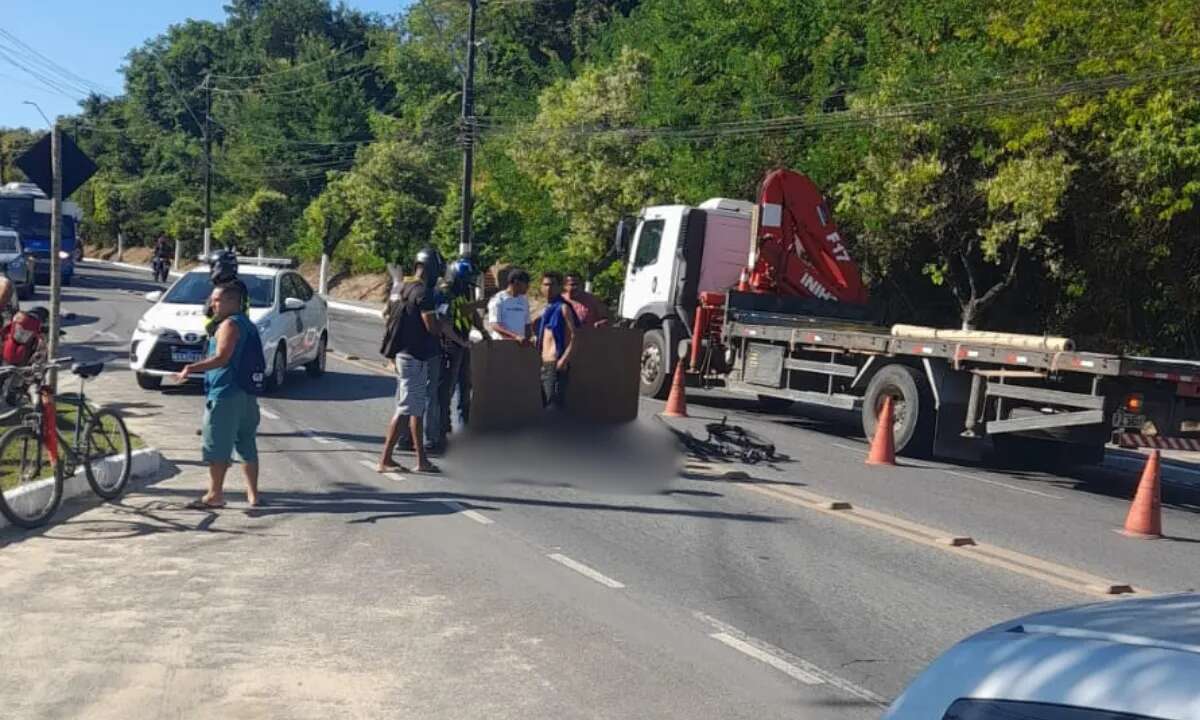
{"x":185,"y":356}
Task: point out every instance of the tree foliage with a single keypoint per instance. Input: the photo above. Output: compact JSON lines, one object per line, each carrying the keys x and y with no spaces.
{"x":1017,"y":164}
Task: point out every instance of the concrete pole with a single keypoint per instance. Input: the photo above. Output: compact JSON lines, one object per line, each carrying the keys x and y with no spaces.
{"x":120,"y":246}
{"x":55,"y":249}
{"x":323,"y":279}
{"x":178,"y":254}
{"x":207,"y":243}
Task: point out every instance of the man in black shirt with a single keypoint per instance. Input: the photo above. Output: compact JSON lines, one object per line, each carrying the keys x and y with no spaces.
{"x":411,"y":342}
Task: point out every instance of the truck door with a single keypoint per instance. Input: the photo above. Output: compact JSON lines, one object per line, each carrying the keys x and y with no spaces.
{"x":649,"y":279}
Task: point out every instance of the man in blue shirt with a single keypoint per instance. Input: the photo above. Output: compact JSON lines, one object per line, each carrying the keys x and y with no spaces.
{"x":230,"y":413}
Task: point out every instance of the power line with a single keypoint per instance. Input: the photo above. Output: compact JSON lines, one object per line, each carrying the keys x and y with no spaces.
{"x":54,"y":67}
{"x":357,"y":74}
{"x":178,"y":92}
{"x":294,"y":68}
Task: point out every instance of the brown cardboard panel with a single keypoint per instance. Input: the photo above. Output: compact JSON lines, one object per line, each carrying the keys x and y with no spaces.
{"x":506,"y":390}
{"x":603,"y":384}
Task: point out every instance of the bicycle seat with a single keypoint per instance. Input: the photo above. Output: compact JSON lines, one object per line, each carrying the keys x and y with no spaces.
{"x":87,"y":370}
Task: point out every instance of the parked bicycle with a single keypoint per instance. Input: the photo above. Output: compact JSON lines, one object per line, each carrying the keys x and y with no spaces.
{"x":35,"y":456}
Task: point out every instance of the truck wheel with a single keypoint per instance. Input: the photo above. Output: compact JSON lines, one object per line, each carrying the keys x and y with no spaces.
{"x":772,"y":404}
{"x":656,"y":367}
{"x":912,"y":402}
{"x":149,"y":382}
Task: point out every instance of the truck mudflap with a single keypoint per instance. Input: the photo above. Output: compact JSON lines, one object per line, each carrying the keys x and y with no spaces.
{"x":1138,"y":440}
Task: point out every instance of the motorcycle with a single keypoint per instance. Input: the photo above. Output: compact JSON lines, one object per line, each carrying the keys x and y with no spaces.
{"x":162,"y":269}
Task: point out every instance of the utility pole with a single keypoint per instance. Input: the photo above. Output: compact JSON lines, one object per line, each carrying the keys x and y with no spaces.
{"x":468,"y":126}
{"x":55,"y":248}
{"x":207,"y":164}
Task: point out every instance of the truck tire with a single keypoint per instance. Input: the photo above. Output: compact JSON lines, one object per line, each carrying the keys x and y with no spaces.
{"x":913,"y":406}
{"x":656,"y":370}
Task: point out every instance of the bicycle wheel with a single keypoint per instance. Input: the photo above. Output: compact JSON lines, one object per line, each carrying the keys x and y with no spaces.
{"x":106,"y":454}
{"x":28,"y":498}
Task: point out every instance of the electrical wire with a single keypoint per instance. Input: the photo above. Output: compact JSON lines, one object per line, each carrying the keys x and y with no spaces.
{"x":294,"y":68}
{"x":88,"y":86}
{"x":357,"y":74}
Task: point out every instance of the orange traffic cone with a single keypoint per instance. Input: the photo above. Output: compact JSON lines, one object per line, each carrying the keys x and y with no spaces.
{"x":677,"y":400}
{"x":883,"y":447}
{"x":1145,"y":515}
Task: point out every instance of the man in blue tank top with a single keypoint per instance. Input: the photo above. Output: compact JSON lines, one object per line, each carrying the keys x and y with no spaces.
{"x":230,"y":413}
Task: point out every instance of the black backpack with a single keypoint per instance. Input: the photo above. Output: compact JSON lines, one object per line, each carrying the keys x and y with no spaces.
{"x":405,"y":330}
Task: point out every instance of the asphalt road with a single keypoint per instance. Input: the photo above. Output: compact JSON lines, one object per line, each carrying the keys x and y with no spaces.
{"x":647,"y":594}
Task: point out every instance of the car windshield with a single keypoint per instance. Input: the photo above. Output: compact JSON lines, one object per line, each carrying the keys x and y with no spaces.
{"x":194,"y":289}
{"x":8,"y":244}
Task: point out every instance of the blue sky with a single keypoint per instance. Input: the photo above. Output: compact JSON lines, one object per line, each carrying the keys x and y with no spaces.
{"x":91,"y":38}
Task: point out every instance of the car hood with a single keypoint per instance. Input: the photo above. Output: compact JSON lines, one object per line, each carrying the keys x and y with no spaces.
{"x":188,"y":319}
{"x":9,"y":257}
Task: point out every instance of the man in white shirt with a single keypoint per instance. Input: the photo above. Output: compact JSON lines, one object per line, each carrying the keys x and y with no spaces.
{"x":508,"y":310}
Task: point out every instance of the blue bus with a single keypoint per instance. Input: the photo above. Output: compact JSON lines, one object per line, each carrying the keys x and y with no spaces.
{"x":25,"y":208}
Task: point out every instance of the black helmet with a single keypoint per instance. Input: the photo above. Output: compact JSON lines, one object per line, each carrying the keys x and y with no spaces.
{"x":432,"y":262}
{"x":224,"y":267}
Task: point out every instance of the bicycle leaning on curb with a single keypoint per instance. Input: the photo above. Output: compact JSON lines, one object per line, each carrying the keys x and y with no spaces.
{"x":99,"y":444}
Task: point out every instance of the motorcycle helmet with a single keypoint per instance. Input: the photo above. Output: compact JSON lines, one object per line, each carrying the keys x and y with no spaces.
{"x":224,"y":267}
{"x":461,"y":276}
{"x":429,"y":258}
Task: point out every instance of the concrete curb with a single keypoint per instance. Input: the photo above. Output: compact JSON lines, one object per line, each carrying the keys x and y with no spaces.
{"x":354,"y":308}
{"x":124,"y":265}
{"x":146,"y":463}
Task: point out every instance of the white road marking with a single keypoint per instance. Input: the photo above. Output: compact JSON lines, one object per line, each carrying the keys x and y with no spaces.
{"x":368,"y":464}
{"x":319,"y":438}
{"x":855,"y":448}
{"x":267,"y":414}
{"x":763,"y":656}
{"x":997,"y":483}
{"x":476,"y":516}
{"x":585,"y":570}
{"x":784,"y":661}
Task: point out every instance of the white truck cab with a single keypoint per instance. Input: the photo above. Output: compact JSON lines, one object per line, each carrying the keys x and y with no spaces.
{"x":676,"y":253}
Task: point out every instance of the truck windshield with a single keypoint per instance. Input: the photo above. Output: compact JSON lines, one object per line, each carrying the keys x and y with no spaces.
{"x":194,"y":289}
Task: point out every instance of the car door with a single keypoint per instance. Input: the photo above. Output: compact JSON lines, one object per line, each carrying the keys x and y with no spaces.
{"x":314,"y":316}
{"x":291,"y":321}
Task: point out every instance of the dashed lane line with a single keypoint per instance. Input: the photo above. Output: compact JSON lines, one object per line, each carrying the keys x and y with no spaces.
{"x":585,"y":571}
{"x":267,"y":413}
{"x":472,"y":514}
{"x":784,"y":661}
{"x":997,"y":483}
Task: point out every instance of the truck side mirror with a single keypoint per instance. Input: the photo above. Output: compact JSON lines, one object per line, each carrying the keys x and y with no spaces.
{"x":624,"y":230}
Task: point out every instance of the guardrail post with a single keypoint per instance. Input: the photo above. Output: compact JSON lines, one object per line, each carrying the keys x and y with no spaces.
{"x":120,"y":246}
{"x":323,"y":278}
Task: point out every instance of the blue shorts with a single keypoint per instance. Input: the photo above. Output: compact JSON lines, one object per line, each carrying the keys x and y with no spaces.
{"x":230,"y":422}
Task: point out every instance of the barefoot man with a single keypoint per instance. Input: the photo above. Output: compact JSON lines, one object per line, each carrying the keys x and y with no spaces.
{"x":230,"y":413}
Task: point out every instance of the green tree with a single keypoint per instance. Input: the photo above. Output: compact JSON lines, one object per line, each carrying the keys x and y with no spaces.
{"x":261,"y":221}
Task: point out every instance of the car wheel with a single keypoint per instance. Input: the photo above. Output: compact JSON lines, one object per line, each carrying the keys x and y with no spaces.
{"x":278,"y":369}
{"x":316,"y":366}
{"x":149,"y":382}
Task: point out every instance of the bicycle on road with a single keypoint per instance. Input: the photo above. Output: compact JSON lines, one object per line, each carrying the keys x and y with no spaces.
{"x":35,"y":457}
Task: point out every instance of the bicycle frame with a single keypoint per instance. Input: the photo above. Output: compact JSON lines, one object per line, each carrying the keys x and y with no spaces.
{"x":46,"y":413}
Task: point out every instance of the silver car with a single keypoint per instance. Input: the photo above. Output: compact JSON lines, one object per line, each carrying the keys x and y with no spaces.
{"x":16,"y":264}
{"x":1125,"y":660}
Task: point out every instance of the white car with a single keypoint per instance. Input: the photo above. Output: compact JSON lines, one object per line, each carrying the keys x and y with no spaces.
{"x":292,"y":320}
{"x":1125,"y":660}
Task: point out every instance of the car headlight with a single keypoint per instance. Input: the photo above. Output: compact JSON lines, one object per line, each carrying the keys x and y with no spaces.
{"x":263,"y":325}
{"x":16,"y":264}
{"x":148,"y":327}
{"x":63,"y":255}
